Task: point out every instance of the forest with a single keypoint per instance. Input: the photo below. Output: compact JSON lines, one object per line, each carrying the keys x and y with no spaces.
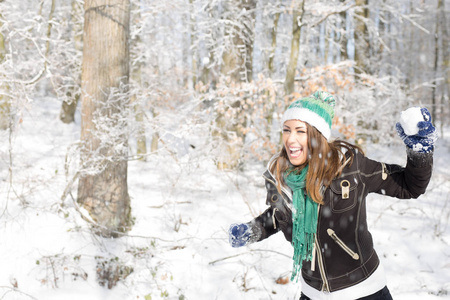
{"x":133,"y":132}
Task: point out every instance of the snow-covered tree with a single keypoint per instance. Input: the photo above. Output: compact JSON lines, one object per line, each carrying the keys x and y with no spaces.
{"x":102,"y":187}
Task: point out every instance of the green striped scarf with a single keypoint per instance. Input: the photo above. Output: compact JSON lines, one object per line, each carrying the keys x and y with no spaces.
{"x":304,"y":219}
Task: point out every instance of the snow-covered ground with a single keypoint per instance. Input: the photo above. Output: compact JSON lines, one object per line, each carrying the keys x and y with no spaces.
{"x":178,"y":247}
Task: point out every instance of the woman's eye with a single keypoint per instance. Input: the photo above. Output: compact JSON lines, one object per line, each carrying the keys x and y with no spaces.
{"x":286,"y":131}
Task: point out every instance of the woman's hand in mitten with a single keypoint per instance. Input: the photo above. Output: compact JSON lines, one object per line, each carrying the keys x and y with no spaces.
{"x":239,"y":235}
{"x":416,"y":130}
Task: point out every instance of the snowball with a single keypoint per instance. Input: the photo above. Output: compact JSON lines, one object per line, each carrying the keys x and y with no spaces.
{"x":205,"y":60}
{"x":409,"y":119}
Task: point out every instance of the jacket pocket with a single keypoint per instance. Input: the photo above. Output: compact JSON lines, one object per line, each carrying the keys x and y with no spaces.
{"x":344,"y":193}
{"x":341,"y":244}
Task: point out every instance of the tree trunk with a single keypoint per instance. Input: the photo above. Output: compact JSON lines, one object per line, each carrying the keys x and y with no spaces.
{"x":136,"y":76}
{"x":5,"y":104}
{"x":238,"y":61}
{"x":155,"y":136}
{"x":49,"y":31}
{"x":436,"y":63}
{"x":379,"y":54}
{"x":445,"y":49}
{"x":238,"y":65}
{"x":361,"y":37}
{"x":273,"y":35}
{"x":193,"y":49}
{"x":411,"y":37}
{"x":343,"y":40}
{"x":324,"y":36}
{"x":69,"y":106}
{"x":102,"y":188}
{"x":141,"y":139}
{"x":297,"y":20}
{"x":68,"y":109}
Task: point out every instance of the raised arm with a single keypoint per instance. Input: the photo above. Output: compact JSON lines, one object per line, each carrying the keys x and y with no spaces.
{"x":419,"y":136}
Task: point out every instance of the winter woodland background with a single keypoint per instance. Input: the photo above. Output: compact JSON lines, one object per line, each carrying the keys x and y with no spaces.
{"x":133,"y":132}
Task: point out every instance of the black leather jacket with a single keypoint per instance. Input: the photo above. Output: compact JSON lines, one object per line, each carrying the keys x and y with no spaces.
{"x":345,"y":253}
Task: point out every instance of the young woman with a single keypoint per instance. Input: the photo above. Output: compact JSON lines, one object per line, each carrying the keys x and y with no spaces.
{"x":317,"y":189}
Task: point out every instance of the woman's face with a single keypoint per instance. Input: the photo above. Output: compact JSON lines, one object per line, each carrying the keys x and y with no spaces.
{"x":295,"y":140}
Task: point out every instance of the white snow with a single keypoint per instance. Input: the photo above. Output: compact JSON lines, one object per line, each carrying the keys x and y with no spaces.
{"x":183,"y":206}
{"x":409,"y":119}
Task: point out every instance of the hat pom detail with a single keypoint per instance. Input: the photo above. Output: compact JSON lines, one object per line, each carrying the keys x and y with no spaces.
{"x":326,"y":98}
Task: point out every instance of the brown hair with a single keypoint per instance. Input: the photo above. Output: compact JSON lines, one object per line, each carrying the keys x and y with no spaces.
{"x":325,"y":160}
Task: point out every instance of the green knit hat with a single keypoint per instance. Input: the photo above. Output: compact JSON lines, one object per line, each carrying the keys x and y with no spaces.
{"x":317,"y":110}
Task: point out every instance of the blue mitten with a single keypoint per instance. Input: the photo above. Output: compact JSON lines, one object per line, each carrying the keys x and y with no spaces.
{"x":423,"y":138}
{"x":239,"y":235}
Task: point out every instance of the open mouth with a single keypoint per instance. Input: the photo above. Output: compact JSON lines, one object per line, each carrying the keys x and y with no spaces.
{"x":295,"y":152}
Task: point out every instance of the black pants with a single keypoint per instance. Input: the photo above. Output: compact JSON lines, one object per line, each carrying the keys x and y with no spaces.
{"x":382,"y":294}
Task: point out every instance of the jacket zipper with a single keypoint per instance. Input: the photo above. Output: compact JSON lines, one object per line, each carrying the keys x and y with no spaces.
{"x":317,"y":253}
{"x":316,"y":248}
{"x":325,"y":287}
{"x":349,"y":251}
{"x":273,"y":218}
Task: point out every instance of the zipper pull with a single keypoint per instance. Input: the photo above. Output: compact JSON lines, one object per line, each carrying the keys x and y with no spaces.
{"x":313,"y":261}
{"x":384,"y":173}
{"x":349,"y":251}
{"x":273,"y":218}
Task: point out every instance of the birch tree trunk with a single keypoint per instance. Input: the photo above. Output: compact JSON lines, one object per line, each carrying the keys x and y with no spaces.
{"x":297,"y":20}
{"x":102,"y":188}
